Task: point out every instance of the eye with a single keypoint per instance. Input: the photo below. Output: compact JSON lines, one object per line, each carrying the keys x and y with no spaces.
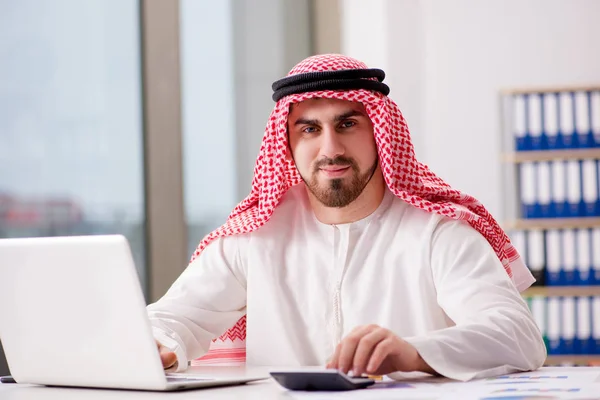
{"x":347,"y":124}
{"x":309,"y":129}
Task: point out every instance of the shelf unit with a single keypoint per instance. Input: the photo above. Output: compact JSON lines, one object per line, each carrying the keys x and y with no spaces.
{"x":562,"y":291}
{"x":573,"y":359}
{"x":549,"y":155}
{"x":511,"y":160}
{"x":553,"y":223}
{"x":546,"y":89}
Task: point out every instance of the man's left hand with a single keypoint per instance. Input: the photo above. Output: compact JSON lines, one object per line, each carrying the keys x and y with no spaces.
{"x":375,"y":350}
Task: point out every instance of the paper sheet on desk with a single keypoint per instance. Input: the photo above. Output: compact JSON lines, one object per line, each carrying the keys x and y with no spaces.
{"x":532,"y":392}
{"x":576,"y":375}
{"x":546,"y":383}
{"x":465,"y":393}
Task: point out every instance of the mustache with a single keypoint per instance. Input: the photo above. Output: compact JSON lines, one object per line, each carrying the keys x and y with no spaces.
{"x":340,"y":160}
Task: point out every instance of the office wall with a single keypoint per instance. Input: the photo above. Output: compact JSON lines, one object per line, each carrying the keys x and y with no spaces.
{"x":388,"y":35}
{"x":447,"y":61}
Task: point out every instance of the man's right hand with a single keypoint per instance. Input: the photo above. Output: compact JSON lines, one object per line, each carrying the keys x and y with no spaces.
{"x":167,"y":357}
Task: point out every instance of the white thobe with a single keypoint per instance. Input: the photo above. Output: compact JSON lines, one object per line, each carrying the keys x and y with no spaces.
{"x":304,"y":285}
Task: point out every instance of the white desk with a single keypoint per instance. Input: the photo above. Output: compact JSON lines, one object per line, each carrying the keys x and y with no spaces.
{"x":261,"y":390}
{"x":587,"y":379}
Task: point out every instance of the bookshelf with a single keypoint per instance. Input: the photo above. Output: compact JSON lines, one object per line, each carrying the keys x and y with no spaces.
{"x":561,"y":291}
{"x":573,"y":359}
{"x":547,"y":89}
{"x":553,"y":223}
{"x":575,"y":154}
{"x":550,"y":148}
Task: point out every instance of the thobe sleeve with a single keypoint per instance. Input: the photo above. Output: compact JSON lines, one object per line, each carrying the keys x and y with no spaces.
{"x":208,"y":298}
{"x":494,"y":330}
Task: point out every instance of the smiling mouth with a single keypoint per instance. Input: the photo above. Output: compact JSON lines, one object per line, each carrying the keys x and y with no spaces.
{"x":335,"y":172}
{"x":336,"y":169}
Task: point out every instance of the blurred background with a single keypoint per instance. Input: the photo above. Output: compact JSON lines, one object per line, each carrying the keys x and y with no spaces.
{"x":145,"y":117}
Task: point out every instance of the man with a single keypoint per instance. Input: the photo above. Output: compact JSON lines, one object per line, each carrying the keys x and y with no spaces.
{"x":349,"y":253}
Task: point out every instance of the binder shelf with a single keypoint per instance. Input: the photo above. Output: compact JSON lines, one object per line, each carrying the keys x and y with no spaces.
{"x":536,"y":156}
{"x":562,"y":291}
{"x":554,"y":223}
{"x":573,"y":360}
{"x":551,"y":188}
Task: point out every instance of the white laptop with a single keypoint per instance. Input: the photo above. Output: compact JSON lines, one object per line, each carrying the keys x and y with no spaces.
{"x":72,"y":313}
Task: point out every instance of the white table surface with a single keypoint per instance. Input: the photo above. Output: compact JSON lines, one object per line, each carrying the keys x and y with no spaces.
{"x":266,"y":389}
{"x":269,"y":389}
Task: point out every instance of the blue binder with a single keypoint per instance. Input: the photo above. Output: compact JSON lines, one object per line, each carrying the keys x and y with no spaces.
{"x":569,"y":259}
{"x":536,"y":257}
{"x":595,"y":272}
{"x":596,"y":324}
{"x":554,"y":326}
{"x":583,"y":341}
{"x":589,"y":180}
{"x":544,"y":190}
{"x":569,"y":325}
{"x":553,"y":257}
{"x":534,"y":121}
{"x":595,"y":116}
{"x":583,"y":271}
{"x":550,"y":131}
{"x":522,"y":139}
{"x":574,"y":195}
{"x":585,"y":138}
{"x":598,"y":185}
{"x":530,"y":207}
{"x":567,"y":119}
{"x":559,"y":206}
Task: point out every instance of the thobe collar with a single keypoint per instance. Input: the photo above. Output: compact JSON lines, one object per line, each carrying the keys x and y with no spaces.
{"x":362,"y":223}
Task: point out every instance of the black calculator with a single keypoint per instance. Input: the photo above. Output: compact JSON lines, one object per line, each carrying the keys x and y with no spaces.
{"x":320,"y":380}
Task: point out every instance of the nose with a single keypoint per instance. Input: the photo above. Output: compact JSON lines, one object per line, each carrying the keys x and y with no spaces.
{"x":331,"y":143}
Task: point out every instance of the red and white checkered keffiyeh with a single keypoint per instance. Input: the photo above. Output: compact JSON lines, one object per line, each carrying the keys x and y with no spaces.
{"x":406,"y":177}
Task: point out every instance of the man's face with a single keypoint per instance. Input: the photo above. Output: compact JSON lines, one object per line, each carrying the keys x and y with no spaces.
{"x":333,"y":147}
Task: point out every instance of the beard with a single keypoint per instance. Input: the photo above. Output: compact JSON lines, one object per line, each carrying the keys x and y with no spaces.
{"x":339,"y":192}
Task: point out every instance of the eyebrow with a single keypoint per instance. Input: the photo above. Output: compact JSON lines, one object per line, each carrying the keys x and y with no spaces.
{"x":338,"y":118}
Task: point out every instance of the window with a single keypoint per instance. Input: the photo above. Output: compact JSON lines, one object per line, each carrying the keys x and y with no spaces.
{"x":71,"y":150}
